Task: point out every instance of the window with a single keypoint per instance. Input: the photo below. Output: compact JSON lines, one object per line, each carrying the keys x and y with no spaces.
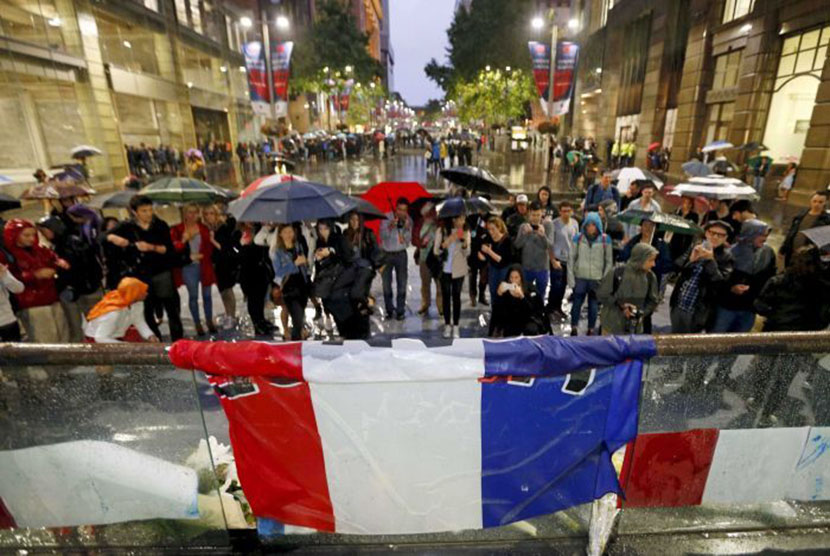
{"x":733,"y":9}
{"x":727,"y":68}
{"x":802,"y":54}
{"x":606,"y":7}
{"x":718,"y":120}
{"x":633,"y":72}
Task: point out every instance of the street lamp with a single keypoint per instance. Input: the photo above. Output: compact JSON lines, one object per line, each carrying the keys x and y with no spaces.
{"x":245,"y":22}
{"x":487,"y":67}
{"x":538,"y":22}
{"x":348,"y":69}
{"x":282,"y":22}
{"x":573,"y":24}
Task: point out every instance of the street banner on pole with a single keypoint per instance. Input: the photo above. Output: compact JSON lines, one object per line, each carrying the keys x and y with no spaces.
{"x":345,"y":94}
{"x":563,"y":79}
{"x":281,"y":66}
{"x":257,"y":77}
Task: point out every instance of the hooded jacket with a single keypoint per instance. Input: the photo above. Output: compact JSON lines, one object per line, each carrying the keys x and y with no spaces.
{"x":636,"y":287}
{"x":590,"y":258}
{"x":38,"y":292}
{"x":751,"y":266}
{"x":119,"y":310}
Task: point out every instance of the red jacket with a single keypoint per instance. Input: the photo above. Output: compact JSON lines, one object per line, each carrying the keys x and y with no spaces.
{"x":39,"y":292}
{"x":206,"y":249}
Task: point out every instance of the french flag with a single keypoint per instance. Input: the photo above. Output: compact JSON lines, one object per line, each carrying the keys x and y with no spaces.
{"x":409,"y":439}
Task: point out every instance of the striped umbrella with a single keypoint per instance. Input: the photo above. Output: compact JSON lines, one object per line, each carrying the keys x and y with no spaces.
{"x":273,"y":179}
{"x":182,"y":190}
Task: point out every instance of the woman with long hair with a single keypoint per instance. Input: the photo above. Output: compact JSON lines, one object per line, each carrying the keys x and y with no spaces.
{"x":452,"y":245}
{"x":366,"y":255}
{"x":517,"y":307}
{"x":291,"y":279}
{"x":193,"y":240}
{"x":225,"y":256}
{"x":497,"y":252}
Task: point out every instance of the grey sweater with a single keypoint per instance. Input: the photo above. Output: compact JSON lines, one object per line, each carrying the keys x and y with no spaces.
{"x":535,"y":247}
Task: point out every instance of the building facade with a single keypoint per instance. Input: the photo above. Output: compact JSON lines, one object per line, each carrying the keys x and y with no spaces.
{"x":688,"y":72}
{"x":116,"y":73}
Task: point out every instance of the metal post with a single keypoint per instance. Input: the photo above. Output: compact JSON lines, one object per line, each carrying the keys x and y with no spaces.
{"x":266,"y":45}
{"x":553,"y":32}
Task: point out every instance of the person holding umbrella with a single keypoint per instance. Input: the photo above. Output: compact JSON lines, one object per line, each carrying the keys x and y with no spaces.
{"x":646,"y":202}
{"x":395,"y":236}
{"x":452,"y":246}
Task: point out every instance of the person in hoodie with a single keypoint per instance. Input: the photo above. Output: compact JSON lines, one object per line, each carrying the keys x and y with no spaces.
{"x":753,"y":265}
{"x":629,"y":293}
{"x":590,"y":259}
{"x":36,"y":267}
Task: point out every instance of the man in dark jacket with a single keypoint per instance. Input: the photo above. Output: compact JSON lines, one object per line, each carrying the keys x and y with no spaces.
{"x":149,"y":256}
{"x":813,"y":217}
{"x":704,"y":270}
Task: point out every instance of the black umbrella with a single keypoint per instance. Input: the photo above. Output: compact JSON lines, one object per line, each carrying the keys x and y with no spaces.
{"x":753,"y":146}
{"x":475,"y":179}
{"x":456,"y":206}
{"x":115,"y":199}
{"x":7,"y":202}
{"x":367,"y":210}
{"x":296,"y":201}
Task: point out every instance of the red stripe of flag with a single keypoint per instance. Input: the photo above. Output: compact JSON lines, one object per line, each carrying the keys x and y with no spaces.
{"x":667,"y":469}
{"x":240,"y":358}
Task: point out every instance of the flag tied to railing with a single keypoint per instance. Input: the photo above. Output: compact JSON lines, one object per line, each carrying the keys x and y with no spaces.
{"x":409,"y":439}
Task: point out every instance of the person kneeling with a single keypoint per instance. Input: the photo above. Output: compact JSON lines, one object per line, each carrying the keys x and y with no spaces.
{"x":629,"y":293}
{"x":119,"y":316}
{"x":517,"y":308}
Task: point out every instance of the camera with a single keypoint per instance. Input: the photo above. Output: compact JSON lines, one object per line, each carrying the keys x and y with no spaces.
{"x":635,"y":314}
{"x":535,"y":227}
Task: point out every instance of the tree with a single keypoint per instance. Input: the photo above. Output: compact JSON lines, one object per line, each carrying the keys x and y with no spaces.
{"x":334,"y":49}
{"x":362,"y":103}
{"x":432,"y":109}
{"x":491,"y":33}
{"x":494,"y":96}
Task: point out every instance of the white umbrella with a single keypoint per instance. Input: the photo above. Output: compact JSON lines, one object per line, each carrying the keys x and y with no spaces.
{"x":712,"y":191}
{"x":625,"y":176}
{"x":716,"y":146}
{"x":84,"y":151}
{"x":716,"y":179}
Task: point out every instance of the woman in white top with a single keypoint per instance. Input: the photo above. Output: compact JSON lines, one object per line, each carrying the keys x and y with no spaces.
{"x":452,"y":244}
{"x":119,"y":316}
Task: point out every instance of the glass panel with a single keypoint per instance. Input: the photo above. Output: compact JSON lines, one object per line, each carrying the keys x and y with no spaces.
{"x":729,"y":11}
{"x":60,"y":124}
{"x":119,"y":457}
{"x":181,"y":12}
{"x":742,"y":7}
{"x":805,"y":61}
{"x":196,"y":15}
{"x":821,"y":55}
{"x":786,"y":65}
{"x":727,"y":108}
{"x":790,"y":45}
{"x":152,"y":5}
{"x":810,"y":39}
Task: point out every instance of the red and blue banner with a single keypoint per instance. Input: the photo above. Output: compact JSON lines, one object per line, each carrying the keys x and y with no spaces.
{"x":281,"y":68}
{"x":409,"y":439}
{"x":257,"y":77}
{"x":567,"y":54}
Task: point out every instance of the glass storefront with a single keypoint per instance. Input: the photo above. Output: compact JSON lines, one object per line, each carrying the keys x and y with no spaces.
{"x":718,"y":119}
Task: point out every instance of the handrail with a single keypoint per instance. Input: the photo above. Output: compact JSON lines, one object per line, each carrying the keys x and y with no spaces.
{"x":13,"y":354}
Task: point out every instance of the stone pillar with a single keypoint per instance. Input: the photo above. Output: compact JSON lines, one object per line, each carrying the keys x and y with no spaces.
{"x":652,"y":104}
{"x":814,"y":170}
{"x":696,"y":80}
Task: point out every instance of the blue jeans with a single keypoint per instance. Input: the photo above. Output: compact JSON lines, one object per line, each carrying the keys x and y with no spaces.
{"x":758,"y":184}
{"x":583,"y":289}
{"x":727,"y":320}
{"x":192,"y":277}
{"x":495,"y":276}
{"x":538,"y":278}
{"x":394,"y":261}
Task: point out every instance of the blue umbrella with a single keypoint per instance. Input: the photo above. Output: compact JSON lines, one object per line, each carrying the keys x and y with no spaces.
{"x":696,"y":168}
{"x":296,"y":201}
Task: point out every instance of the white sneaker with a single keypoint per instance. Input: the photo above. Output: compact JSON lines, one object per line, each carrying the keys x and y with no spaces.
{"x":456,"y":332}
{"x":447,"y":331}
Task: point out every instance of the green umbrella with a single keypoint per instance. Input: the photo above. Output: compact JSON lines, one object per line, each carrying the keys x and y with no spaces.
{"x":182,"y":190}
{"x":665,"y":222}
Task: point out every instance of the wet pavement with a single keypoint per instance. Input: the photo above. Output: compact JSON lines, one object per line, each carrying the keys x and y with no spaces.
{"x":165,"y":412}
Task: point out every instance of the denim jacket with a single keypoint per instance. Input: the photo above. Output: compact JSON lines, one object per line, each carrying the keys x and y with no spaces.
{"x":284,"y":266}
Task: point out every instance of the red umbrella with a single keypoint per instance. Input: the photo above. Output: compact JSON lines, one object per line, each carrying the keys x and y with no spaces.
{"x":385,"y":194}
{"x":273,"y":179}
{"x":655,"y":145}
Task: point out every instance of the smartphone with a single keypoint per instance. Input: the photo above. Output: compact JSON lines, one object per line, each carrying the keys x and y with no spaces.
{"x":706,"y":245}
{"x":460,"y":234}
